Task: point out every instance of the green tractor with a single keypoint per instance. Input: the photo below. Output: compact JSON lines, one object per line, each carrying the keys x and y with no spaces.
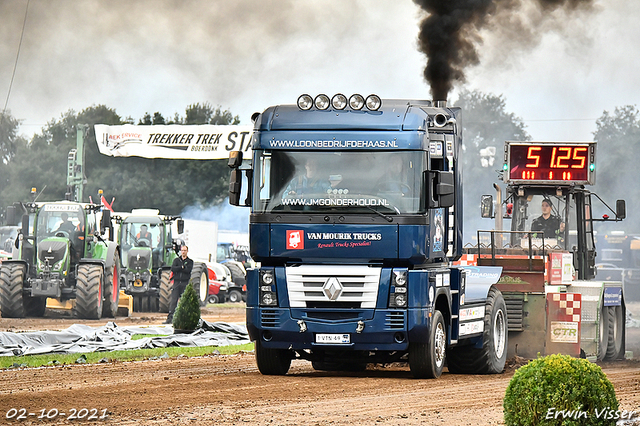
{"x":60,"y":253}
{"x":148,"y":250}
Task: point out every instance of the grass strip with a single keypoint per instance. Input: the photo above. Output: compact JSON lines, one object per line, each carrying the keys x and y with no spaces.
{"x":128,"y":355}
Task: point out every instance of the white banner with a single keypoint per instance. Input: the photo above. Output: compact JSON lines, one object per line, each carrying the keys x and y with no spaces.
{"x":198,"y":142}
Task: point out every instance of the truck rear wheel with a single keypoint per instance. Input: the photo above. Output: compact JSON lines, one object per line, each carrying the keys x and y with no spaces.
{"x":272,"y":362}
{"x":489,"y":359}
{"x":426,"y":360}
{"x":89,"y":292}
{"x":164,"y":298}
{"x":111,"y":289}
{"x":11,"y":298}
{"x":200,"y":281}
{"x":615,"y":348}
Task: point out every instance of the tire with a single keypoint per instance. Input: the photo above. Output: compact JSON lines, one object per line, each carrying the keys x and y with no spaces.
{"x":238,"y":276}
{"x":272,"y":362}
{"x":11,"y":298}
{"x":603,"y":334}
{"x":426,"y":360}
{"x":491,"y":358}
{"x":200,"y":281}
{"x":111,"y":289}
{"x":615,"y":346}
{"x":89,"y":292}
{"x":235,"y":296}
{"x":213,"y":298}
{"x":164,"y":298}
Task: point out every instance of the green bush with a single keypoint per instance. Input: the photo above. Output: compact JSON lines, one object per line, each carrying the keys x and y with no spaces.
{"x":187,"y":313}
{"x":560,"y":390}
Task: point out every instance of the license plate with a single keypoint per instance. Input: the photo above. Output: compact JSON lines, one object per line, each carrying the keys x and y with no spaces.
{"x":333,"y":339}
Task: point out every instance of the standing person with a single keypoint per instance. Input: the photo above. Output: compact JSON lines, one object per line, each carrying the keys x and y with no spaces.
{"x":181,"y":269}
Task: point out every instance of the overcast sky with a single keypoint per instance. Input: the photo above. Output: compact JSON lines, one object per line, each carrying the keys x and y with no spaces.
{"x":244,"y":55}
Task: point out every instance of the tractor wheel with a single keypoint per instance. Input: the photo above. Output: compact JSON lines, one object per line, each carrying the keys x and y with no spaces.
{"x":213,"y":298}
{"x":111,"y":289}
{"x":200,"y":281}
{"x":11,"y":283}
{"x":89,"y":292}
{"x":603,"y":333}
{"x":164,"y":298}
{"x":238,"y":276}
{"x":272,"y":362}
{"x":426,"y":360}
{"x":615,"y":347}
{"x":489,"y":359}
{"x":235,"y":296}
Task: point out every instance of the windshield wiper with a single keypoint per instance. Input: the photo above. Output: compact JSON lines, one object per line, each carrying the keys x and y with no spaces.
{"x":387,"y":218}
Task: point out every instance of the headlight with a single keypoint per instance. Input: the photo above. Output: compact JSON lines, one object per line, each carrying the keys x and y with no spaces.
{"x":356,"y":102}
{"x":322,"y":102}
{"x":373,"y":102}
{"x":305,"y":102}
{"x":339,"y":101}
{"x":268,"y":295}
{"x":398,"y":292}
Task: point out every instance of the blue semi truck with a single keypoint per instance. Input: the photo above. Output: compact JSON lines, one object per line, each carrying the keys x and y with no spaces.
{"x":356,"y":215}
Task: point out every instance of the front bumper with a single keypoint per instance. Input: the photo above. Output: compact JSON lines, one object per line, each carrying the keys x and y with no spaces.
{"x":370,"y":330}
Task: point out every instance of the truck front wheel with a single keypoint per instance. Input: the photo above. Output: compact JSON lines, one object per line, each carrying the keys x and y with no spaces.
{"x":272,"y":362}
{"x":426,"y":360}
{"x":11,"y":298}
{"x":489,"y":359}
{"x":89,"y":292}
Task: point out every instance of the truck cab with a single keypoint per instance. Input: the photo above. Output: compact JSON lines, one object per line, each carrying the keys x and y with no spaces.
{"x":356,"y":208}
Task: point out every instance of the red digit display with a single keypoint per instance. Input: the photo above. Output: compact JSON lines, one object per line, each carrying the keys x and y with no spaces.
{"x":550,"y":162}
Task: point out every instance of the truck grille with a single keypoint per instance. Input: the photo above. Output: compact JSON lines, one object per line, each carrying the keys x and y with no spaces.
{"x":343,"y":286}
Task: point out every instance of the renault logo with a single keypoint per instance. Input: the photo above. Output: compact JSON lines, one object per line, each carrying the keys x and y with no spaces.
{"x":332,"y":288}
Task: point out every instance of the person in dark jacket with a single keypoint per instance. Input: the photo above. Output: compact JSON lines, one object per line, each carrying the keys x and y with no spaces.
{"x":181,"y":269}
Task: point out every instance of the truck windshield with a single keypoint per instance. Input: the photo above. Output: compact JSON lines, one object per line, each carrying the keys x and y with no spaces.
{"x":346,"y":182}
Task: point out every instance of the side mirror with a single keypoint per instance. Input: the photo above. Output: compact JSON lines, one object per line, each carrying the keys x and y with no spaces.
{"x":235,"y":187}
{"x":442,"y":189}
{"x":235,"y":159}
{"x":105,"y":221}
{"x":180,"y":226}
{"x":25,"y":225}
{"x":11,"y":216}
{"x":621,"y":209}
{"x":486,"y":206}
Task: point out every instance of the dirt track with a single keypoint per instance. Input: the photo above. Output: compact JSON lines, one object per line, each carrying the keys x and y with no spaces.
{"x":230,"y":390}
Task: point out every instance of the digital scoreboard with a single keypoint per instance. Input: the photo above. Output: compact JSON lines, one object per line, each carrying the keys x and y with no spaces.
{"x":550,"y":162}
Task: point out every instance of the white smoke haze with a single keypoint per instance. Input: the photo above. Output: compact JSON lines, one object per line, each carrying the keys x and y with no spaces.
{"x":228,"y":217}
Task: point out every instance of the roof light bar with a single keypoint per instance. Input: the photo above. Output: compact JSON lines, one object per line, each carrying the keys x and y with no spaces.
{"x":339,"y":102}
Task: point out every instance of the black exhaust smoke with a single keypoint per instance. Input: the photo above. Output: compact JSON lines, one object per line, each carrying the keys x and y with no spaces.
{"x":451,"y":31}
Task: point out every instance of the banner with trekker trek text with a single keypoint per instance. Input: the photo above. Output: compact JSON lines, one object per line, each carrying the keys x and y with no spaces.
{"x":198,"y":142}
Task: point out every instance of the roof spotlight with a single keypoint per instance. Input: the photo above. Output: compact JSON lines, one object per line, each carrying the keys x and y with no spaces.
{"x":339,"y":101}
{"x":356,"y":102}
{"x":373,"y":102}
{"x":322,"y":102}
{"x":305,"y":102}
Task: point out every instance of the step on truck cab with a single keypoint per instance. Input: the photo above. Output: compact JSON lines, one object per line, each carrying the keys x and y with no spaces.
{"x":356,"y":208}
